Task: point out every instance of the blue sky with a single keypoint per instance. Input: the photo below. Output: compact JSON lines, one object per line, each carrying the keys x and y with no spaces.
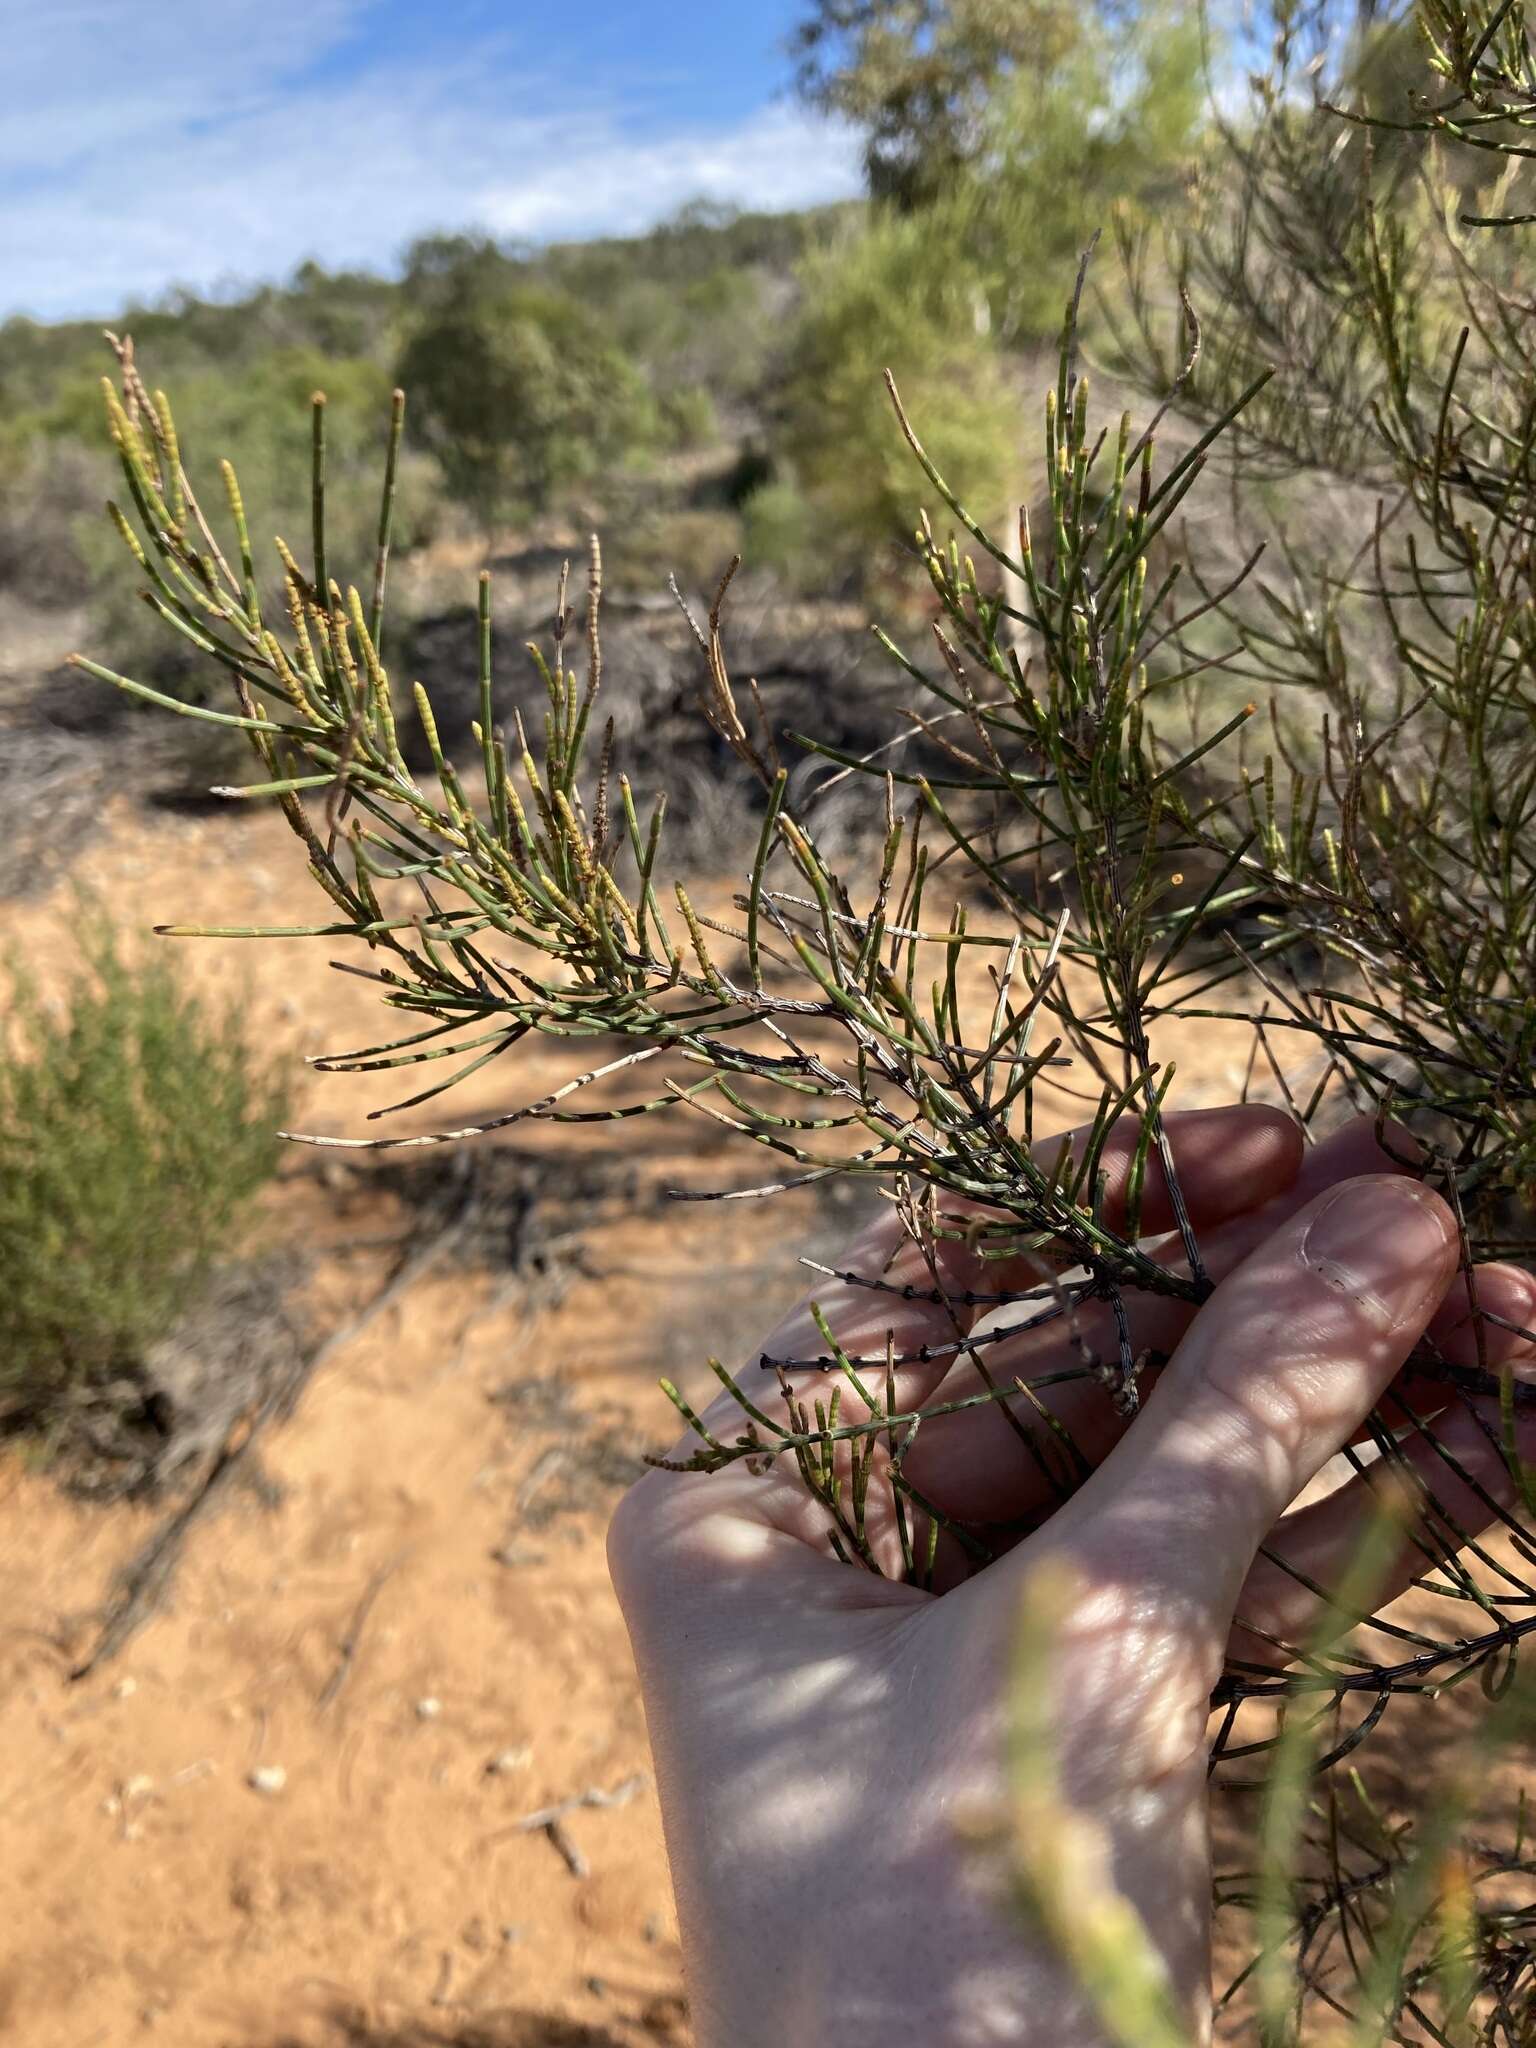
{"x":146,"y":143}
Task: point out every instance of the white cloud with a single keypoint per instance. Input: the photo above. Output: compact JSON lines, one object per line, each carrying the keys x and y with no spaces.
{"x":210,"y":157}
{"x":780,"y":158}
{"x":97,"y":79}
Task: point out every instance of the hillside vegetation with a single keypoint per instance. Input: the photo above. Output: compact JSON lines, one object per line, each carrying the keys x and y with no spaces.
{"x":710,"y":386}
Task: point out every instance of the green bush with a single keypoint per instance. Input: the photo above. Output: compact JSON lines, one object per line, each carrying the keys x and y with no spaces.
{"x":1112,"y":130}
{"x":893,"y":298}
{"x":779,"y":534}
{"x":519,"y":393}
{"x":701,"y":298}
{"x":1014,"y":126}
{"x":689,"y":417}
{"x":136,"y":1124}
{"x":50,"y":515}
{"x":716,"y":330}
{"x":692,"y":544}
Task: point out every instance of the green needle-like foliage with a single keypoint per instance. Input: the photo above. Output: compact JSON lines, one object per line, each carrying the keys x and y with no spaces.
{"x":850,"y":1036}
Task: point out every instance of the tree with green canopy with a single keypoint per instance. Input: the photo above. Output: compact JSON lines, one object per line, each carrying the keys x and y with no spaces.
{"x":518,"y":392}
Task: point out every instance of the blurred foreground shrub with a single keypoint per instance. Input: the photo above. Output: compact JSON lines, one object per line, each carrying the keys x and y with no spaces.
{"x":136,"y":1124}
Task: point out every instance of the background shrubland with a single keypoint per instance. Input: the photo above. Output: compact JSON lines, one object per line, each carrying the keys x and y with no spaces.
{"x":675,"y":374}
{"x":697,"y":391}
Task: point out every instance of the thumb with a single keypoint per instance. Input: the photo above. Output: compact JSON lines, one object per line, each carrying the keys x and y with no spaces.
{"x":1272,"y":1378}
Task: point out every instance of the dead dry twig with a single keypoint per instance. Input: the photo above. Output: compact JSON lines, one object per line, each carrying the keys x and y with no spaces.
{"x":550,"y":1820}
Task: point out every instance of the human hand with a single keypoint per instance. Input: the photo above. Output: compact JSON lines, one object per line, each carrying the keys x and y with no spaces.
{"x":820,"y":1732}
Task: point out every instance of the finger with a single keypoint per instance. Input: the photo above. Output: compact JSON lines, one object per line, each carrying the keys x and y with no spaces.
{"x":1489,"y":1320}
{"x":1277,"y":1370}
{"x":1453,"y":1468}
{"x":975,"y":1465}
{"x":1225,"y":1160}
{"x":976,"y":1474}
{"x":1464,"y":1486}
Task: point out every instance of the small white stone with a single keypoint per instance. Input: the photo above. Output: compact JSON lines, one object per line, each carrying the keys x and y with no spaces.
{"x":268,"y":1779}
{"x":138,"y":1787}
{"x":125,"y":1688}
{"x":428,"y":1709}
{"x":510,"y":1760}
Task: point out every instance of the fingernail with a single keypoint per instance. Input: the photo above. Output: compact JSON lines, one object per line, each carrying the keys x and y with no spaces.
{"x":1384,"y":1241}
